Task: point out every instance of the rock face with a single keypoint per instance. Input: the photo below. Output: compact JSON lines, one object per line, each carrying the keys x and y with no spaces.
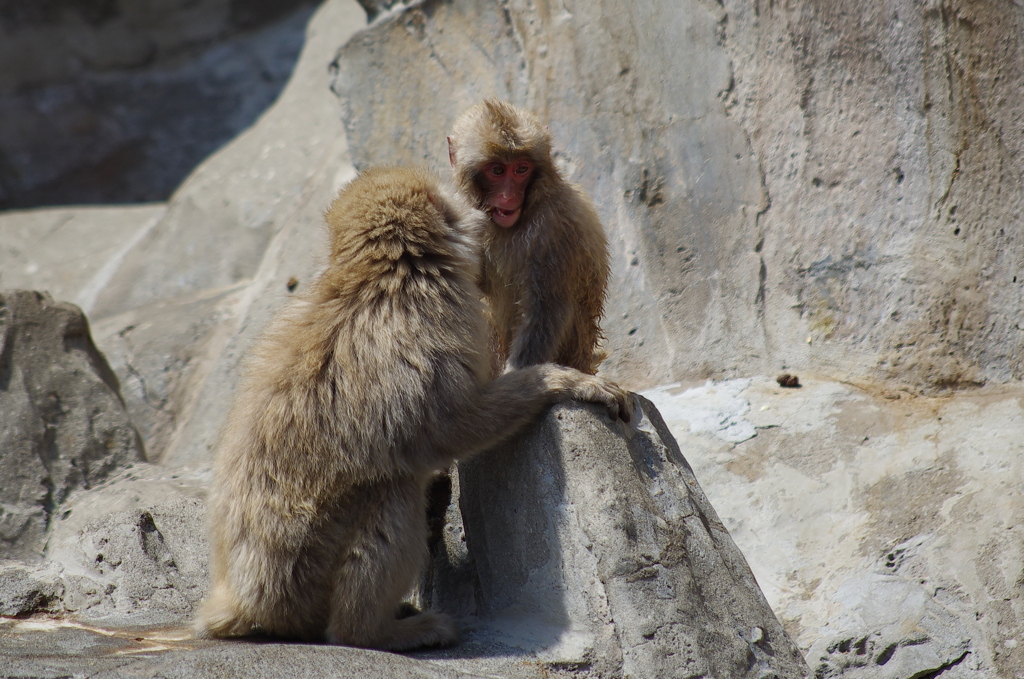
{"x":783,"y":185}
{"x":117,"y":101}
{"x":63,"y":426}
{"x":594,"y":547}
{"x":884,"y":530}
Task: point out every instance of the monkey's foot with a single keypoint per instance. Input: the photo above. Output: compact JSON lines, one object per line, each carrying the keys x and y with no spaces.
{"x":421,"y":630}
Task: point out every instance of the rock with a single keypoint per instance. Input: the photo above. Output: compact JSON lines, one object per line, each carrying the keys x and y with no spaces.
{"x":133,"y":552}
{"x":40,"y":649}
{"x":376,"y":7}
{"x":70,"y":252}
{"x":63,"y":426}
{"x":595,"y":549}
{"x":161,"y":352}
{"x":885,"y":240}
{"x":795,"y":180}
{"x":176,"y":292}
{"x":118,"y":101}
{"x":28,"y":589}
{"x":883,"y":528}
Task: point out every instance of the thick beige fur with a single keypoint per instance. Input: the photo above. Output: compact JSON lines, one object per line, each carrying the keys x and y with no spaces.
{"x":545,"y":278}
{"x":355,"y":395}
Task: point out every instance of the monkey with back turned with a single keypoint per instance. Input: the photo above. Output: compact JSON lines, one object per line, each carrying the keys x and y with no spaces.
{"x":545,"y":266}
{"x":356,"y":394}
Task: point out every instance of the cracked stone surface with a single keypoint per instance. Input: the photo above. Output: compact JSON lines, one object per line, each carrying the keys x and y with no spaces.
{"x":63,"y":425}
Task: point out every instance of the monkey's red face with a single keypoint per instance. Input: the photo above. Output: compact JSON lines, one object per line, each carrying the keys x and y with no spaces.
{"x":505,"y":187}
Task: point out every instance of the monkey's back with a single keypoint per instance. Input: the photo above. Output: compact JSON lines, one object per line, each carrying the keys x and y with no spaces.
{"x":344,"y":400}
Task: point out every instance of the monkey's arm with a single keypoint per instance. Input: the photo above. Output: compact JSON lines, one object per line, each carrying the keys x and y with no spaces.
{"x":503,"y":405}
{"x":546,"y":315}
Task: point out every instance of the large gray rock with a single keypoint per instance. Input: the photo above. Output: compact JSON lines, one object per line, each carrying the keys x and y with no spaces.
{"x":788,"y":184}
{"x":594,"y":547}
{"x":133,"y":551}
{"x":63,"y":426}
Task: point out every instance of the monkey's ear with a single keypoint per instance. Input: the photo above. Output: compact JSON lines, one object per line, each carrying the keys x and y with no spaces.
{"x":451,"y":151}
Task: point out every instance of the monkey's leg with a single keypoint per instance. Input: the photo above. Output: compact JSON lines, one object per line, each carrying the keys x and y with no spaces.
{"x":380,"y":566}
{"x":220,"y":617}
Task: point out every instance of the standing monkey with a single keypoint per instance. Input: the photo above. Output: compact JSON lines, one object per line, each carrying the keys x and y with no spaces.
{"x":354,"y":396}
{"x":545,"y":266}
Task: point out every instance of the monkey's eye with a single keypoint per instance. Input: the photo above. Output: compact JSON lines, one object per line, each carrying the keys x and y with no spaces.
{"x":495,"y":169}
{"x":522,"y":168}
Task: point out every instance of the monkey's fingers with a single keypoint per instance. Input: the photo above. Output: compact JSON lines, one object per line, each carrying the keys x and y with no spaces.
{"x":617,"y":401}
{"x":623,"y":405}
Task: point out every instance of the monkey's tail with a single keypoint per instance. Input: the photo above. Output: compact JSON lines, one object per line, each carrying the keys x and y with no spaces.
{"x":219,"y":617}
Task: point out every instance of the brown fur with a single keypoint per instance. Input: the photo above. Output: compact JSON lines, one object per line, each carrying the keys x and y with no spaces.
{"x":355,"y":395}
{"x":544,"y":278}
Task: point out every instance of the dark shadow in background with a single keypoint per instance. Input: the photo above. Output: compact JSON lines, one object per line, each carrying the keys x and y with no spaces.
{"x":117,"y":101}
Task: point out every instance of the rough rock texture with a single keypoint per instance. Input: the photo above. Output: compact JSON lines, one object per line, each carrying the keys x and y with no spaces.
{"x":593,"y":546}
{"x":890,"y":145}
{"x":133,"y":552}
{"x":770,"y":173}
{"x":117,"y":101}
{"x":63,"y":426}
{"x":44,"y":649}
{"x":885,"y":530}
{"x":799,"y":184}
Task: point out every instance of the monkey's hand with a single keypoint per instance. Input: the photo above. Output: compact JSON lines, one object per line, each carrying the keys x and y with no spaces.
{"x":583,"y":387}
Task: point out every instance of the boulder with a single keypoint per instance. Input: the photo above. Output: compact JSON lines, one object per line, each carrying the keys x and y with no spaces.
{"x":63,"y":425}
{"x":133,"y":552}
{"x":594,"y":548}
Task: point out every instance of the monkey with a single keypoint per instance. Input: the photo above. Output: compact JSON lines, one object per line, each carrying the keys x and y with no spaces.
{"x":545,"y":268}
{"x":367,"y":383}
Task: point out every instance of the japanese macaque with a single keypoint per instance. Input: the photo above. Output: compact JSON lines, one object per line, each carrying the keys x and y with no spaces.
{"x":545,"y":264}
{"x":359,"y":390}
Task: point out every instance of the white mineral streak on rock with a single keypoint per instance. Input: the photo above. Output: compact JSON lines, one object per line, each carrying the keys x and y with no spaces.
{"x":715,"y":408}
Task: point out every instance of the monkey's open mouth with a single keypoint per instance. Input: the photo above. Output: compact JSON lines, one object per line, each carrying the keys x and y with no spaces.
{"x":505,"y":218}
